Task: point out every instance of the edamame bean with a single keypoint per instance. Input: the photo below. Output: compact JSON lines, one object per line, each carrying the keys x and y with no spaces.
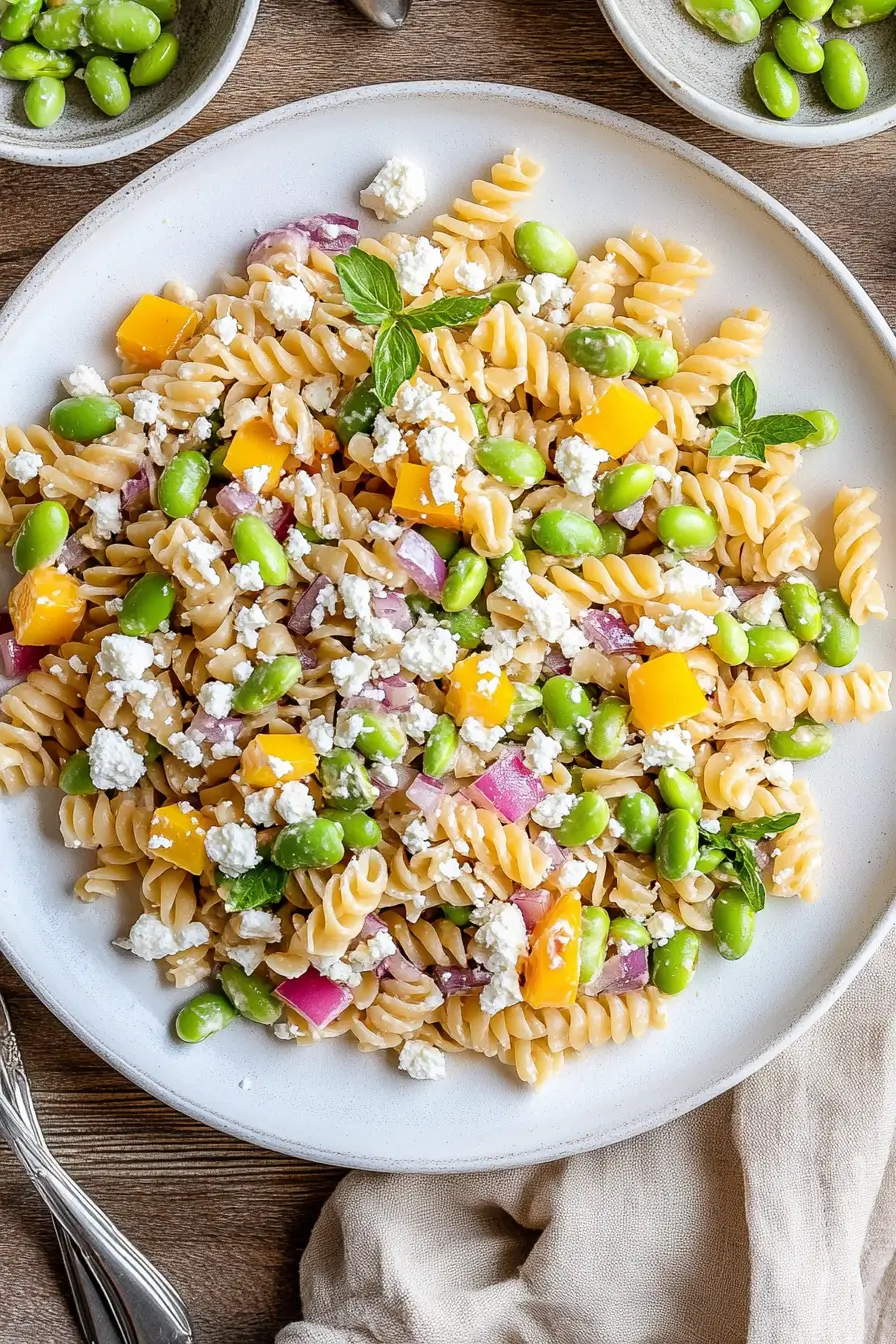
{"x":770,"y":646}
{"x":656,"y":359}
{"x":511,"y":462}
{"x":516,"y":552}
{"x":614,"y":538}
{"x":798,"y":46}
{"x":418,"y":605}
{"x":251,"y":996}
{"x":441,"y":745}
{"x":606,"y":352}
{"x":639,"y":817}
{"x":17,"y":19}
{"x":467,"y":573}
{"x":708,"y":860}
{"x":803,"y":742}
{"x":345,"y":783}
{"x":445,"y":542}
{"x":724,"y":413}
{"x":827,"y":427}
{"x":216,"y":463}
{"x":109,"y":90}
{"x":525,"y":712}
{"x":593,"y":946}
{"x":733,"y":923}
{"x":156,"y":63}
{"x":480,"y":417}
{"x":684,"y":528}
{"x":203,"y":1016}
{"x":609,"y":728}
{"x":624,"y":486}
{"x":677,"y":844}
{"x":41,"y":536}
{"x":458,"y":914}
{"x":561,"y":532}
{"x":801,"y":608}
{"x":673,"y":966}
{"x":74,"y":777}
{"x":358,"y":412}
{"x":776,"y":86}
{"x":838,"y":642}
{"x":735,"y":20}
{"x":254,"y":541}
{"x":122,"y":25}
{"x":809,"y":9}
{"x":468,"y":626}
{"x":565,"y":702}
{"x":766,"y":8}
{"x":147,"y":603}
{"x":586,"y":820}
{"x":83,"y":419}
{"x":59,"y":29}
{"x":359,"y":831}
{"x":164,"y":10}
{"x":380,"y":737}
{"x":508,"y":291}
{"x":843,"y":75}
{"x":44,"y":101}
{"x":628,"y":931}
{"x":27,"y":61}
{"x":730,"y":641}
{"x":678,"y":790}
{"x":856,"y":13}
{"x":308,"y":844}
{"x":182,"y":483}
{"x":544,"y":249}
{"x":267,"y":683}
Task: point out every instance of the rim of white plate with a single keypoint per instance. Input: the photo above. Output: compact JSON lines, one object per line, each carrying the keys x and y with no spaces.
{"x":40,"y":276}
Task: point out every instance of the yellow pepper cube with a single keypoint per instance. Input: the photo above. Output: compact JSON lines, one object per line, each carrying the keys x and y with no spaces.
{"x":619,"y":420}
{"x":478,"y":694}
{"x":177,"y":835}
{"x":413,"y":499}
{"x":254,"y":445}
{"x":664,"y":691}
{"x":46,"y":607}
{"x":277,"y":758}
{"x":154,"y":330}
{"x":552,"y":967}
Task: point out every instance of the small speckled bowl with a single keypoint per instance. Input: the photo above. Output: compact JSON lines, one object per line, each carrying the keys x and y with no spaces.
{"x":713,"y":79}
{"x":213,"y":34}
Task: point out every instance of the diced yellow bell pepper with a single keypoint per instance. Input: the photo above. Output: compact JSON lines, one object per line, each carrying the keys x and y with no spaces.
{"x":475,"y":694}
{"x":178,"y":836}
{"x":619,"y":420}
{"x":277,"y":758}
{"x":254,"y":445}
{"x":664,"y":691}
{"x":46,"y":607}
{"x":413,"y":499}
{"x":155,"y":329}
{"x":552,"y":967}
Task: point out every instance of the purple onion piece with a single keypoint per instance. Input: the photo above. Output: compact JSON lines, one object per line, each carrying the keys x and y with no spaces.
{"x":746,"y":591}
{"x":423,"y":562}
{"x":210,"y":729}
{"x":620,"y":974}
{"x":137,"y":491}
{"x":308,"y":657}
{"x":73,"y":554}
{"x":459,"y":979}
{"x":425,"y":793}
{"x":234,"y":499}
{"x":393,"y":608}
{"x":300,"y":619}
{"x":290,"y":238}
{"x":557,"y":663}
{"x":398,"y":693}
{"x":548,"y":845}
{"x":532,"y":905}
{"x":630,"y":518}
{"x":280,"y":519}
{"x":608,"y":632}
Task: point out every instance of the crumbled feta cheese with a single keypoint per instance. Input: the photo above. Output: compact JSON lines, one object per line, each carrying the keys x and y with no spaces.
{"x":242,"y":671}
{"x":220,"y":750}
{"x":442,"y":485}
{"x":260,"y":807}
{"x":711,"y":824}
{"x":398,"y":189}
{"x":185,"y":748}
{"x":779,"y":773}
{"x":124,"y":657}
{"x":369,"y":953}
{"x":216,"y":698}
{"x":296,"y":547}
{"x":247,"y":577}
{"x":286,"y":1031}
{"x":106,"y":510}
{"x":502,"y":644}
{"x":226,"y":328}
{"x":572,"y":641}
{"x":295,"y":802}
{"x":77,"y":664}
{"x":387,"y":439}
{"x":471,"y":276}
{"x":683,"y":577}
{"x":259,"y":924}
{"x":24,"y":466}
{"x":325,"y":605}
{"x":661,"y":926}
{"x":150,"y":939}
{"x":760,"y":610}
{"x":200,"y":555}
{"x":247,"y":623}
{"x":667,"y":746}
{"x":475,"y":732}
{"x":571,"y":874}
{"x":385,"y":528}
{"x":416,"y":266}
{"x":549,"y":615}
{"x":544,"y":291}
{"x":551,"y":811}
{"x":232,"y":847}
{"x":422,"y":1061}
{"x":418,"y":721}
{"x":499,"y":944}
{"x":442,"y":447}
{"x":287,"y":303}
{"x":201,"y":428}
{"x":417,"y":836}
{"x":113,"y":763}
{"x":84,"y":381}
{"x":146,"y":406}
{"x":320,"y":393}
{"x":386,"y":774}
{"x":420,"y":404}
{"x":248,"y":955}
{"x":320,"y":735}
{"x":428,"y":651}
{"x":255,"y":479}
{"x":577,"y":462}
{"x":615,"y":828}
{"x":684,"y":630}
{"x":351,"y":673}
{"x":540,"y":752}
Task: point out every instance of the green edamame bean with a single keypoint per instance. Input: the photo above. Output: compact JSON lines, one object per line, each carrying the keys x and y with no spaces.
{"x":776,"y":86}
{"x":358,"y":412}
{"x":204,"y":1016}
{"x":593,"y":946}
{"x":733,"y":923}
{"x":359,"y":831}
{"x":856,"y":13}
{"x":267,"y":683}
{"x":44,"y":101}
{"x":586,"y":820}
{"x":544,"y":249}
{"x":83,"y":419}
{"x":827,"y":427}
{"x":17,"y":19}
{"x":770,"y":646}
{"x":677,"y":844}
{"x":458,"y":914}
{"x":805,"y":741}
{"x":656,"y":359}
{"x":156,"y":63}
{"x":109,"y":90}
{"x":74,"y":777}
{"x":441,"y":745}
{"x":467,"y":626}
{"x":624,"y":486}
{"x":516,"y":552}
{"x":798,"y":46}
{"x":418,"y":605}
{"x":508,"y":291}
{"x":673,"y":966}
{"x":27,"y":61}
{"x":345,"y":783}
{"x":639,"y":817}
{"x":565,"y":702}
{"x":525,"y":712}
{"x":216,"y":463}
{"x":480,"y":417}
{"x":182,"y":483}
{"x":380,"y":737}
{"x":708,"y":860}
{"x":678,"y":790}
{"x":838,"y":642}
{"x":809,"y":9}
{"x":251,"y":996}
{"x":606,"y":352}
{"x":843,"y":75}
{"x":511,"y":462}
{"x":561,"y":532}
{"x":254,"y":541}
{"x":147,"y":603}
{"x":801,"y":609}
{"x":445,"y":542}
{"x":609,"y":728}
{"x":766,"y":8}
{"x":122,"y":25}
{"x":164,"y":10}
{"x":735,"y":20}
{"x":59,"y":29}
{"x":685,"y":528}
{"x":467,"y":573}
{"x":308,"y":844}
{"x":723,"y":415}
{"x":41,"y":536}
{"x":614,"y":538}
{"x":730,"y":641}
{"x":628,"y":931}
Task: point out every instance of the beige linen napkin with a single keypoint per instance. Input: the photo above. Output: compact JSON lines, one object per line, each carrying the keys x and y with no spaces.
{"x":766,"y":1217}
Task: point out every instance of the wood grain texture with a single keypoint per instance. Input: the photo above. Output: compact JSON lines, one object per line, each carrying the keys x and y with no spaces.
{"x":226,"y":1221}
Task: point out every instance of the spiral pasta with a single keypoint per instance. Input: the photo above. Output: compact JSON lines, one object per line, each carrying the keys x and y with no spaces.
{"x":856,"y":541}
{"x":347,"y":901}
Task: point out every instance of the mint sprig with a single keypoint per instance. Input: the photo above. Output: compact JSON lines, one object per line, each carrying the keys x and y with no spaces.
{"x":749,"y":437}
{"x":737,"y":841}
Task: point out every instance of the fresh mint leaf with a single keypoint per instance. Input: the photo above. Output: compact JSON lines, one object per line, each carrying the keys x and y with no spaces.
{"x":763,"y":827}
{"x":743,"y":397}
{"x":396,"y":356}
{"x":457,"y":312}
{"x":743,"y":861}
{"x":369,"y":285}
{"x":262,"y":885}
{"x":725,"y":443}
{"x":775,"y":429}
{"x":752,"y":445}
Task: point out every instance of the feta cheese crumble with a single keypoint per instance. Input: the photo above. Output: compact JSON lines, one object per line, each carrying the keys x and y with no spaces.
{"x":398,"y":189}
{"x":287,"y":304}
{"x":475,"y":732}
{"x":760,"y":610}
{"x":150,"y":939}
{"x":661,"y":926}
{"x":320,"y":393}
{"x":113,"y":762}
{"x":106,"y":509}
{"x":500,"y":942}
{"x":416,"y":267}
{"x":551,"y":811}
{"x":216,"y":698}
{"x":84,"y":381}
{"x":442,"y":447}
{"x":667,"y":746}
{"x":683,"y":630}
{"x":778,"y":773}
{"x":471,"y":276}
{"x":247,"y":577}
{"x":351,"y":673}
{"x":247,"y":623}
{"x":232,"y":847}
{"x":295,"y":802}
{"x":578,"y":463}
{"x":540,"y":752}
{"x":24,"y":466}
{"x":259,"y":924}
{"x":422,"y":1061}
{"x":226,"y":328}
{"x":428,"y":652}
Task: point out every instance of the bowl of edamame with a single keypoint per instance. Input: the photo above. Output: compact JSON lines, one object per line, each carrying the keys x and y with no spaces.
{"x":86,"y":81}
{"x":792,"y":72}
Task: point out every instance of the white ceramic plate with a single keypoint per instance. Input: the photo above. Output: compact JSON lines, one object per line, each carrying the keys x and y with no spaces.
{"x":198,"y":212}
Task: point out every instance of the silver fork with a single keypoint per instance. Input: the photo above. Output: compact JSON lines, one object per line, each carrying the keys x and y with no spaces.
{"x":387,"y":13}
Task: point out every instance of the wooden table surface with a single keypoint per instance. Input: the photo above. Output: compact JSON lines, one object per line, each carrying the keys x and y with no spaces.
{"x":226,"y":1221}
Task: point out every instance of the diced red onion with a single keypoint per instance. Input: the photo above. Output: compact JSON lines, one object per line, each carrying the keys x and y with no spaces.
{"x":393,"y":608}
{"x":210,"y":729}
{"x":280,"y":519}
{"x":557,"y":664}
{"x":235,"y":499}
{"x":308,"y":657}
{"x":397,"y":692}
{"x":302,"y":234}
{"x":763,"y":853}
{"x":630,"y":518}
{"x":746,"y":591}
{"x":425,"y":793}
{"x":371,"y":926}
{"x":620,"y":974}
{"x":20,"y":659}
{"x":318,"y":999}
{"x":292,"y":238}
{"x":459,"y":979}
{"x":366,"y":702}
{"x":73,"y":554}
{"x":137,"y":491}
{"x":406,"y":777}
{"x":300,"y":619}
{"x":398,"y":966}
{"x":508,"y":787}
{"x":548,"y":845}
{"x":423,"y":562}
{"x":608,"y":632}
{"x":532,"y":905}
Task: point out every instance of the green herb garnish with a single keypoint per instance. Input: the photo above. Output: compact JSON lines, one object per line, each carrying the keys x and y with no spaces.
{"x":737,"y":842}
{"x":750,"y":437}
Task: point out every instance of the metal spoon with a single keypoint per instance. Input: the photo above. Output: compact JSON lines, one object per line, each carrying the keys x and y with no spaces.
{"x":387,"y":13}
